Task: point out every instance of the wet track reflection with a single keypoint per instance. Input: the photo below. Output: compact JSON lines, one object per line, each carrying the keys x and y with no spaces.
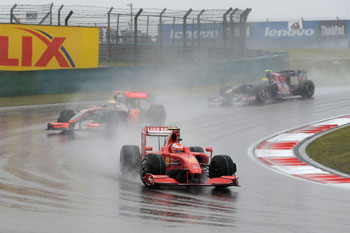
{"x":54,"y":182}
{"x":214,"y":207}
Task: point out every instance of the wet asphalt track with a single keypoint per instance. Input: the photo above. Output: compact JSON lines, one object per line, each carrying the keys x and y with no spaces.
{"x":56,"y":183}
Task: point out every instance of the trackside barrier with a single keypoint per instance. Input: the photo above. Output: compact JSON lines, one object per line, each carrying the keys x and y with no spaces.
{"x":138,"y":77}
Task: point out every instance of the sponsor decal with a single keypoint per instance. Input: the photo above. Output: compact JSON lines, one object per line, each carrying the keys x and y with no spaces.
{"x":54,"y":49}
{"x":208,"y":31}
{"x":189,"y":34}
{"x":336,"y":29}
{"x":294,"y":30}
{"x":31,"y":47}
{"x":288,"y":33}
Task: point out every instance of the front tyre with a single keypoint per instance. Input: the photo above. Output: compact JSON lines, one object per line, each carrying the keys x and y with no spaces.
{"x":65,"y":115}
{"x":260,"y":94}
{"x":153,"y":164}
{"x":221,"y":165}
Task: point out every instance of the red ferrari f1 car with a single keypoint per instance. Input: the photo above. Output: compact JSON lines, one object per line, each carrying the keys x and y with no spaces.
{"x":275,"y":85}
{"x":175,"y":164}
{"x":125,"y":107}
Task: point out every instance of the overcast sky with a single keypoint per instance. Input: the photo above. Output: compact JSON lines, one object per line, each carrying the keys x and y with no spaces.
{"x":261,"y":9}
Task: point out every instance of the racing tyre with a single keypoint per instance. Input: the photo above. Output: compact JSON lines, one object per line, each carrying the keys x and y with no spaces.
{"x":153,"y":164}
{"x":156,"y":115}
{"x":130,"y":158}
{"x":198,"y":149}
{"x":221,"y":165}
{"x":65,"y":115}
{"x":227,"y":95}
{"x":307,"y":88}
{"x":260,"y":94}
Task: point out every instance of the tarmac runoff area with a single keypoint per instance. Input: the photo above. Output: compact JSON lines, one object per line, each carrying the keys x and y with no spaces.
{"x":285,"y":153}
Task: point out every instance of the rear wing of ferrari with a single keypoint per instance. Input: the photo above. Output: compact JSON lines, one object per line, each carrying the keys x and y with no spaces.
{"x":158,"y":130}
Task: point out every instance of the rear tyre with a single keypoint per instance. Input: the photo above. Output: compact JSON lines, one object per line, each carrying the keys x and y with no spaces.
{"x":130,"y":158}
{"x":156,"y":115}
{"x":227,"y":95}
{"x":198,"y":149}
{"x":65,"y":115}
{"x":153,"y":164}
{"x":307,"y":88}
{"x":260,"y":94}
{"x":221,"y":165}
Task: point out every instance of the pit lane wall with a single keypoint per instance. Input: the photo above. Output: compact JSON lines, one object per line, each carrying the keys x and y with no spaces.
{"x":139,"y":77}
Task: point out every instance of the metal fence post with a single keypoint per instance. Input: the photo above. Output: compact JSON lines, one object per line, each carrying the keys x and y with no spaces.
{"x":214,"y":41}
{"x":232,"y":26}
{"x":67,"y":18}
{"x":161,"y":33}
{"x":199,"y":27}
{"x":51,"y":13}
{"x":117,"y":32}
{"x":135,"y":36}
{"x":243,"y":23}
{"x":59,"y":15}
{"x":147,"y":27}
{"x":109,"y":33}
{"x":184,"y":31}
{"x":224,"y":26}
{"x":174,"y":31}
{"x":47,"y":15}
{"x":12,"y":16}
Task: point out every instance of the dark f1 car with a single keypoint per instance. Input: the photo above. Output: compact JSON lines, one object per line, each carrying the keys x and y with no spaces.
{"x":125,"y":107}
{"x":275,"y":85}
{"x":174,"y":164}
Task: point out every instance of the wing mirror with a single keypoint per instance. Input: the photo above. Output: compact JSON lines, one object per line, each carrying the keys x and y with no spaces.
{"x":209,"y":149}
{"x":148,"y":148}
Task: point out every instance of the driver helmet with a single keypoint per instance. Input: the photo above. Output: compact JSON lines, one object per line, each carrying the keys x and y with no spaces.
{"x":177,"y":148}
{"x":121,"y":98}
{"x":268,"y":74}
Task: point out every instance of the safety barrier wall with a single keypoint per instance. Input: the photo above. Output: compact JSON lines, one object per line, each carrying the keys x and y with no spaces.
{"x":138,"y":77}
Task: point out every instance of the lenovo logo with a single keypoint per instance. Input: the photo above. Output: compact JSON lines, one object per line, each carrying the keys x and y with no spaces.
{"x":202,"y":34}
{"x":288,"y":33}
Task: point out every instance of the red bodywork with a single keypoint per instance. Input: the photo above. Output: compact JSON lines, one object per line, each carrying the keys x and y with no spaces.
{"x":129,"y":108}
{"x":190,"y":164}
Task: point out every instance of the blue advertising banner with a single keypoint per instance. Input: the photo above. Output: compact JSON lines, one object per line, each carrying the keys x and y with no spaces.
{"x":293,"y":30}
{"x":208,"y":31}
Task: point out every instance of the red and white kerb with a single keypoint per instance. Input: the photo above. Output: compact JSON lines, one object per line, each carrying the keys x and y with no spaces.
{"x":278,"y":154}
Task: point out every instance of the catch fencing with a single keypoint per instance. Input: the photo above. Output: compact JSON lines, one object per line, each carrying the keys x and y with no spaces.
{"x":147,"y":36}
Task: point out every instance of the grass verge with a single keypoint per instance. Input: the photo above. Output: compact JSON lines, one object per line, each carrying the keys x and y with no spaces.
{"x":332,"y":150}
